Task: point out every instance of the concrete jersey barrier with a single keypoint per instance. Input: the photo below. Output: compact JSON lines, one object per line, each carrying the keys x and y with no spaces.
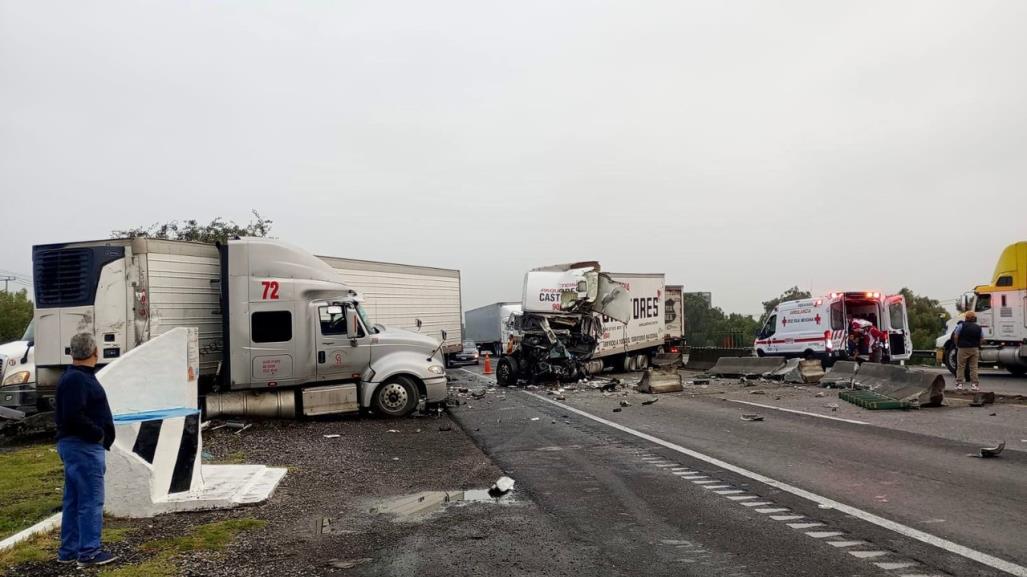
{"x":901,"y":383}
{"x":840,"y":374}
{"x":746,"y":366}
{"x":704,"y":358}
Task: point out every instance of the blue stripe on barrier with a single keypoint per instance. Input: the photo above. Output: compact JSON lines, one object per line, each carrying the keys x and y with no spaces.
{"x":155,"y":415}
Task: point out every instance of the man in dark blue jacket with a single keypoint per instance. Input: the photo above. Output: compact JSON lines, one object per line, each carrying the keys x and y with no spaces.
{"x":85,"y":429}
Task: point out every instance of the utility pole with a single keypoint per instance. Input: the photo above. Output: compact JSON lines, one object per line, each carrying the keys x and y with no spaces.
{"x":6,"y":280}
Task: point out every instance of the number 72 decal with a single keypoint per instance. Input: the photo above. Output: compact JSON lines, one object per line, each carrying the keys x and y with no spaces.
{"x":270,"y":289}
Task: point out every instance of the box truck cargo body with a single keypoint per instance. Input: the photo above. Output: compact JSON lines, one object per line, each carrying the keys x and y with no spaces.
{"x":127,"y":291}
{"x":488,"y":326}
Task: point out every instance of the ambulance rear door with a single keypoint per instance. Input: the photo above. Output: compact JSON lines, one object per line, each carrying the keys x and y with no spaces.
{"x":900,"y":341}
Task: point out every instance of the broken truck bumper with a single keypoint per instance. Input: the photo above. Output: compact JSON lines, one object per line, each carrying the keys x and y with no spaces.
{"x":435,"y":388}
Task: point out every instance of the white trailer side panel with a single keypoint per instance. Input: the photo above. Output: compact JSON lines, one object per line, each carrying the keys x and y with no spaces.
{"x":646,"y":329}
{"x":184,"y":292}
{"x":396,"y":295}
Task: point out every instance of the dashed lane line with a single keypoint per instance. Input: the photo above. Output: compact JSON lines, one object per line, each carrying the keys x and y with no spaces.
{"x":825,"y":502}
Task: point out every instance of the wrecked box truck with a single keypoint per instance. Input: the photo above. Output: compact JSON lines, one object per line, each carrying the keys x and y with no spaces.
{"x":560,"y":326}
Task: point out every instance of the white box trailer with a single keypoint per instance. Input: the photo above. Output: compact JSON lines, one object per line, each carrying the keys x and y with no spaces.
{"x":487,"y":325}
{"x":629,"y":345}
{"x":398,"y":295}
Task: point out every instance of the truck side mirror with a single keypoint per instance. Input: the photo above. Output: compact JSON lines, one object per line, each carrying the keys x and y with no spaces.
{"x":445,"y":335}
{"x":418,"y":323}
{"x":353,"y":328}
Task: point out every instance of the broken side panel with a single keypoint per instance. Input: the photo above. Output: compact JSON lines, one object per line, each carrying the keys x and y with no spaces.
{"x":575,"y":288}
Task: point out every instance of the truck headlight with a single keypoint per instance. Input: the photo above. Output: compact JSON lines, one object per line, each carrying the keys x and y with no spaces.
{"x":436,"y":370}
{"x":18,"y":378}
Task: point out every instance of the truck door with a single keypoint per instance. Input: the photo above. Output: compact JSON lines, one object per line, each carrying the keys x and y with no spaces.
{"x":343,"y":348}
{"x":900,"y":341}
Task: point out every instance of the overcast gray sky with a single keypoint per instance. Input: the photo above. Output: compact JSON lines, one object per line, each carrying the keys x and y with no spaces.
{"x":740,"y":147}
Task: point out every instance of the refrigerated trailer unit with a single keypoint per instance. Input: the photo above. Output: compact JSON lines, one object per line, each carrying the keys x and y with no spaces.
{"x":130,"y":290}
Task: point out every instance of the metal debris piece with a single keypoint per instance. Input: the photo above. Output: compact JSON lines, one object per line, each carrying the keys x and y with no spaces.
{"x":349,"y":563}
{"x":625,"y":404}
{"x":238,"y":425}
{"x":502,"y":486}
{"x":535,"y":418}
{"x":820,"y":394}
{"x":988,"y":452}
{"x":561,"y":398}
{"x":333,"y":436}
{"x":758,"y":392}
{"x":752,"y":417}
{"x":392,"y":431}
{"x":617,"y":410}
{"x":650,"y":401}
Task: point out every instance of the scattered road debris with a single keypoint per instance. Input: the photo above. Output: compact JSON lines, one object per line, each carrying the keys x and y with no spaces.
{"x":988,"y":452}
{"x":561,"y":398}
{"x":650,"y":401}
{"x":535,"y":418}
{"x":617,"y":410}
{"x":332,"y":436}
{"x":446,"y":427}
{"x":752,"y":417}
{"x":348,"y":563}
{"x":625,"y":404}
{"x":502,"y":486}
{"x":392,"y":431}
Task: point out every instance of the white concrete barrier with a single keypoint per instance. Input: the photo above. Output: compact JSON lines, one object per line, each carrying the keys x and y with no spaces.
{"x":155,"y":464}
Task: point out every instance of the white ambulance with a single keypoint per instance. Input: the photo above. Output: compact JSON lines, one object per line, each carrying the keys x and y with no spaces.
{"x":818,"y":327}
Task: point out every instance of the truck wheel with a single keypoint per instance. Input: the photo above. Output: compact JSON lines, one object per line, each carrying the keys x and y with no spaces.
{"x":506,"y":372}
{"x":396,"y":397}
{"x":629,"y":363}
{"x":950,"y":358}
{"x":642,"y":363}
{"x":1018,"y":371}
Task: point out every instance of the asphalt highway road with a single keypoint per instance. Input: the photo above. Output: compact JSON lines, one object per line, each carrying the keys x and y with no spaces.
{"x":685,"y":487}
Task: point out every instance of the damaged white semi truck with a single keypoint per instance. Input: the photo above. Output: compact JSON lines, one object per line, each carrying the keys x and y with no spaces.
{"x":559,"y":327}
{"x":281,"y":332}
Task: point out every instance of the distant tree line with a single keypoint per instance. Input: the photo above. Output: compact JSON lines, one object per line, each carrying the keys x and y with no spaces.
{"x":15,"y":314}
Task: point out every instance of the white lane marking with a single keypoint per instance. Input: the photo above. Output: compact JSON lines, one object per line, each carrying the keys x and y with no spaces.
{"x":846,"y":543}
{"x":760,"y":504}
{"x":786,"y":517}
{"x":773,"y":510}
{"x":680,"y":470}
{"x":744,"y":498}
{"x":894,"y":566}
{"x":664,"y":465}
{"x":852,"y":421}
{"x":867,"y":554}
{"x":682,"y":473}
{"x":715,"y":487}
{"x":700,"y":482}
{"x":729,"y":492}
{"x":805,"y":525}
{"x":824,"y":534}
{"x":824,"y":502}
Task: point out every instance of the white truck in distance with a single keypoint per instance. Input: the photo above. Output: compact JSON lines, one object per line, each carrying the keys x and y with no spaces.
{"x":1001,"y":309}
{"x":295,"y":337}
{"x":488,"y":326}
{"x":18,"y":373}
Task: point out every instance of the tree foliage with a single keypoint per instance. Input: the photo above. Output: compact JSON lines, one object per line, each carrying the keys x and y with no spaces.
{"x":709,"y":326}
{"x":927,"y":319}
{"x":792,"y":294}
{"x":15,"y":314}
{"x":217,"y":230}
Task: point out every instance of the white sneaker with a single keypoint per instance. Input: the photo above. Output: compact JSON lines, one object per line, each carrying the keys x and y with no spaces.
{"x":959,"y":386}
{"x":974,"y":388}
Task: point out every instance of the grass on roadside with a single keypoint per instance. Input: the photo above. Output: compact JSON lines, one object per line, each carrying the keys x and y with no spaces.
{"x":31,"y":484}
{"x":210,"y":537}
{"x":42,"y":548}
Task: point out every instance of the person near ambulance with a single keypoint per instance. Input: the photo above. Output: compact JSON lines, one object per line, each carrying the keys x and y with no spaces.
{"x":968,"y":337}
{"x":864,"y":338}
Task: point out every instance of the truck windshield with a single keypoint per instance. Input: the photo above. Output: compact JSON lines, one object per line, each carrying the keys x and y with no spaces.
{"x":365,"y":319}
{"x":30,"y":332}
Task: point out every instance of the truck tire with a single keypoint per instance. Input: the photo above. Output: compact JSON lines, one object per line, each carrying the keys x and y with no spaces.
{"x":642,"y":362}
{"x":950,"y":358}
{"x":629,"y":363}
{"x":506,"y":372}
{"x":396,"y":397}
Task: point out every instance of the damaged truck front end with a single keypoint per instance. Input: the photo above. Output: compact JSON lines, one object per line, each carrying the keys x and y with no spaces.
{"x":561,"y":323}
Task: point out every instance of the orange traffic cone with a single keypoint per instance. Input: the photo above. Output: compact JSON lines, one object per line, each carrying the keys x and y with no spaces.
{"x":488,"y":364}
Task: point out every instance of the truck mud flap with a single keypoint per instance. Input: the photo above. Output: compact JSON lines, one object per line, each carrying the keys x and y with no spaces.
{"x":798,"y":371}
{"x":746,"y":366}
{"x":705,"y":358}
{"x":914,"y":386}
{"x":840,"y":375}
{"x":660,"y":381}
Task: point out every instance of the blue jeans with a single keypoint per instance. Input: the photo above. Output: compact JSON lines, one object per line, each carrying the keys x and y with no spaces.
{"x":82,"y":514}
